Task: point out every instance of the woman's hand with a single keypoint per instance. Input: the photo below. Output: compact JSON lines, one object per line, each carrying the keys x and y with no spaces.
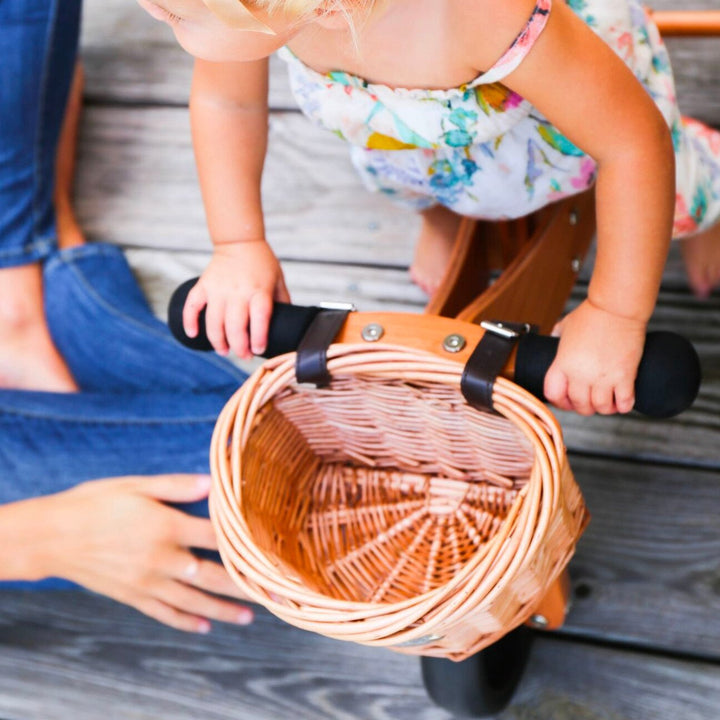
{"x":118,"y":537}
{"x":597,"y":361}
{"x":238,"y":287}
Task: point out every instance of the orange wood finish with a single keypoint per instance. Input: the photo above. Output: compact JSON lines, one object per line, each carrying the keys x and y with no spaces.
{"x":694,"y":23}
{"x":554,"y":605}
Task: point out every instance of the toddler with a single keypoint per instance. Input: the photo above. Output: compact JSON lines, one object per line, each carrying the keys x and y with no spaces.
{"x":483,"y":108}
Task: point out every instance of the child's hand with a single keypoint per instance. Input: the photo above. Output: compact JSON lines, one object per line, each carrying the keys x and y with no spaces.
{"x":238,"y":287}
{"x":597,"y":362}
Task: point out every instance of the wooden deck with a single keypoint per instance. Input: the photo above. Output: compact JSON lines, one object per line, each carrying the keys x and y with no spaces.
{"x":643,"y":639}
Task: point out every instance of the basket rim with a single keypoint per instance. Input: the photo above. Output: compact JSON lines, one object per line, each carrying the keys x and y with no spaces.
{"x":384,"y":359}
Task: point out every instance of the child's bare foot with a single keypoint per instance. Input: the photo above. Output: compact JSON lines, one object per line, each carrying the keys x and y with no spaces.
{"x":702,"y":260}
{"x":434,"y":248}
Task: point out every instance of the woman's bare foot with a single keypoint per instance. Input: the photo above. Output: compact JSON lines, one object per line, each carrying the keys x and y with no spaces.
{"x":29,"y":359}
{"x":434,"y":248}
{"x":702,"y":260}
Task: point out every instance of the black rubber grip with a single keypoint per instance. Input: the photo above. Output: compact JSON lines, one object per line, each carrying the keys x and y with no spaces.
{"x":667,"y":382}
{"x":287,"y":324}
{"x":668,"y":378}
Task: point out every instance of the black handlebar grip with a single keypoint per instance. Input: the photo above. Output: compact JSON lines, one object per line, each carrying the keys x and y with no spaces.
{"x":287,"y":324}
{"x":667,"y":382}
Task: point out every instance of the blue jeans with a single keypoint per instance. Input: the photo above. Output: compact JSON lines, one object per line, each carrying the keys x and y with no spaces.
{"x":147,"y":405}
{"x":38,"y":46}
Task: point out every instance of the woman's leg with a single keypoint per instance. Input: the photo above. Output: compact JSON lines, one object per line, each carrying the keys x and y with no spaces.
{"x":38,"y":44}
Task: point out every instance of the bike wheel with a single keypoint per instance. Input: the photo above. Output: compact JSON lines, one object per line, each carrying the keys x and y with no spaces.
{"x":483,"y":684}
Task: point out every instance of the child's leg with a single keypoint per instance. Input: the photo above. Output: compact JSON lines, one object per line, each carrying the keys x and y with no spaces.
{"x":434,"y":247}
{"x":697,"y":212}
{"x":702,"y":260}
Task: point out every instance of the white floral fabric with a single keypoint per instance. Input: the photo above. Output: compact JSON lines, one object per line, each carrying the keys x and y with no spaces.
{"x":485,"y":152}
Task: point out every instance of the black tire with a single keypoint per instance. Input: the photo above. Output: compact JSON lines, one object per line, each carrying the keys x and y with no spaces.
{"x":483,"y":684}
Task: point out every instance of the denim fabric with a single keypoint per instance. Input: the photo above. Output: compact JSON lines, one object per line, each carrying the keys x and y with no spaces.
{"x":38,"y":46}
{"x":148,"y":405}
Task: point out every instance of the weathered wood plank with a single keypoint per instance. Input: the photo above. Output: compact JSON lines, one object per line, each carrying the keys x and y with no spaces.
{"x":80,"y":656}
{"x":647,"y":570}
{"x":131,"y":58}
{"x":137,"y":186}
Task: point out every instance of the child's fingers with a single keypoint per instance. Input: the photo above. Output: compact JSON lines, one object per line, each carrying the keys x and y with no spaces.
{"x":580,"y":399}
{"x":236,"y":328}
{"x":625,"y":397}
{"x":215,"y":326}
{"x":281,"y":291}
{"x":260,"y":312}
{"x":178,"y":488}
{"x":603,"y":399}
{"x":556,"y":388}
{"x":194,"y":303}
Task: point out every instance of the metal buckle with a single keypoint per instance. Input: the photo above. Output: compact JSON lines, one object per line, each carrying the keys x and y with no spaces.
{"x":330,"y":305}
{"x":509,"y":331}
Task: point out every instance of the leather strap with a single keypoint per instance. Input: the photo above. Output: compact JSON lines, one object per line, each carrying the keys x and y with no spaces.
{"x":487,"y":362}
{"x":311,"y":357}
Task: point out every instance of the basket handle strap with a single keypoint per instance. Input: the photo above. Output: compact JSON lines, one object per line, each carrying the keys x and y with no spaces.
{"x":488,"y":360}
{"x":311,"y":356}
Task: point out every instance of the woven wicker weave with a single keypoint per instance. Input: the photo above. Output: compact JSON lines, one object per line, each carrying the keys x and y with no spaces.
{"x":384,"y":509}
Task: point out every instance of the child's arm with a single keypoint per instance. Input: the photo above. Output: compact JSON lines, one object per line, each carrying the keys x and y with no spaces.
{"x":589,"y":94}
{"x":229,"y":116}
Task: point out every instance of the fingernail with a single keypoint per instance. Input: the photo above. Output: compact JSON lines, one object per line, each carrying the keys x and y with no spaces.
{"x":204,"y":482}
{"x":244,"y":617}
{"x":204,"y":627}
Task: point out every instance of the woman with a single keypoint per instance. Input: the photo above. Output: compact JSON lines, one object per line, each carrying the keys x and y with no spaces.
{"x":104,"y":487}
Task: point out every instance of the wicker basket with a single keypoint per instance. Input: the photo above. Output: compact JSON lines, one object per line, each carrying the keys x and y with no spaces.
{"x":384,"y":509}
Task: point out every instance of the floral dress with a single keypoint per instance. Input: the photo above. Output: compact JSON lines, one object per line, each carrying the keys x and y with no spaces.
{"x":485,"y":152}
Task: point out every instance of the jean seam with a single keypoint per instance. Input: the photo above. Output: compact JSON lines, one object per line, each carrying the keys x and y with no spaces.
{"x":42,"y":247}
{"x":110,"y":422}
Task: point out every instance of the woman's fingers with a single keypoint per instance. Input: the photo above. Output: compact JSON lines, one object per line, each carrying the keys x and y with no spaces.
{"x":175,"y":487}
{"x":212,"y":577}
{"x":187,"y":598}
{"x":169,"y":615}
{"x":203,"y":603}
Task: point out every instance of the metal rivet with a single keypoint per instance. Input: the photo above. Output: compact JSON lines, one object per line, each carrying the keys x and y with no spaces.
{"x":539,"y":621}
{"x":454,"y":343}
{"x":372,"y":332}
{"x":576,"y":264}
{"x":573,"y":217}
